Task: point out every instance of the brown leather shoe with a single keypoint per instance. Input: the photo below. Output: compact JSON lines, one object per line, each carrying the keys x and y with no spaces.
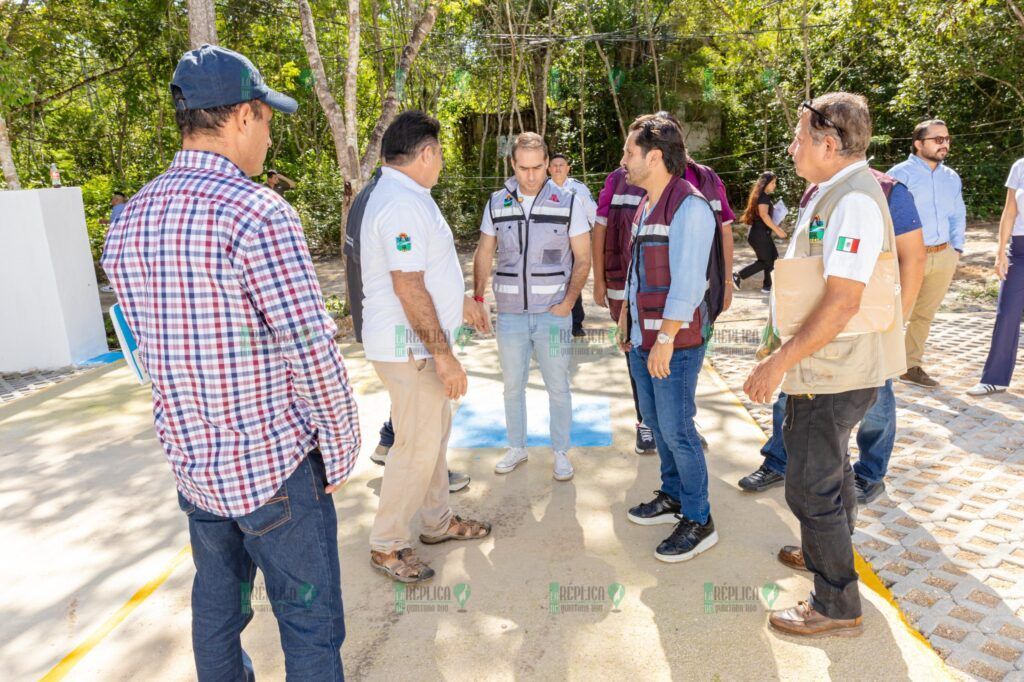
{"x":804,"y":621}
{"x":792,"y":556}
{"x":917,"y":375}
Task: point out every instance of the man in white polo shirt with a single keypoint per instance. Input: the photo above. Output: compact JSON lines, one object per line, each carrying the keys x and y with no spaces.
{"x":413,"y":304}
{"x":831,"y":378}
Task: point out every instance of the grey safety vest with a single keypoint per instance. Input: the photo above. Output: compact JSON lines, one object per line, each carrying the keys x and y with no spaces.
{"x":534,"y":256}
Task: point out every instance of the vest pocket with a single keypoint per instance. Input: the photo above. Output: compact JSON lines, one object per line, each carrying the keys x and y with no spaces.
{"x":651,"y":306}
{"x":656,"y":267}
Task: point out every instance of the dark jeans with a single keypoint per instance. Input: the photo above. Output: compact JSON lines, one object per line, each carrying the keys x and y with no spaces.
{"x":387,"y":434}
{"x":876,"y":436}
{"x":632,"y":386}
{"x":1002,"y":353}
{"x":293,"y":540}
{"x":820,"y":492}
{"x":577,"y":313}
{"x":668,"y":407}
{"x":760,"y":239}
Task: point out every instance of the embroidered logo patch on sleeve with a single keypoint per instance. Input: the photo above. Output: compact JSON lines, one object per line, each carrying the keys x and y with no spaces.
{"x":403,"y":242}
{"x":847,"y":245}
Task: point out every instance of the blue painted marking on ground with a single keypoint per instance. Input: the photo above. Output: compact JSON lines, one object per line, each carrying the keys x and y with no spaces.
{"x":104,"y":359}
{"x":480,"y":423}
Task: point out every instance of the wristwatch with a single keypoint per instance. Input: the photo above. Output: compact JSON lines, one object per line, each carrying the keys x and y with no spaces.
{"x":664,"y":338}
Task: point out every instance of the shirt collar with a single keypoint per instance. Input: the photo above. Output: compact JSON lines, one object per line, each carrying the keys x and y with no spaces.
{"x":914,"y":158}
{"x":197,"y":159}
{"x":403,"y":179}
{"x":853,"y":167}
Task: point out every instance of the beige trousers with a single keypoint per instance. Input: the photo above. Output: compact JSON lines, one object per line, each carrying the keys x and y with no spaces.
{"x":416,"y":473}
{"x":938,"y":273}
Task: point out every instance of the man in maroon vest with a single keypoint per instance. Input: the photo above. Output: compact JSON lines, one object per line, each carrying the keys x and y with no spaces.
{"x":674,"y":291}
{"x":616,"y":206}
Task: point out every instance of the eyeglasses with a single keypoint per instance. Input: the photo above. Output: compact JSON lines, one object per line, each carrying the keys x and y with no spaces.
{"x":825,"y":120}
{"x":939,"y":139}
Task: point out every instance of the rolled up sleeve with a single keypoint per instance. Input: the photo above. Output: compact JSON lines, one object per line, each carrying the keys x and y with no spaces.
{"x":280,"y":280}
{"x":691,"y":235}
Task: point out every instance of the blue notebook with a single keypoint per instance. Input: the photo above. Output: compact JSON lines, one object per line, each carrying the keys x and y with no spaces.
{"x":128,"y":344}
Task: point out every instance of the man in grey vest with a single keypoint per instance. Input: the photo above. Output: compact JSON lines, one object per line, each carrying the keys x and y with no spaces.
{"x":541,"y":234}
{"x":832,"y":375}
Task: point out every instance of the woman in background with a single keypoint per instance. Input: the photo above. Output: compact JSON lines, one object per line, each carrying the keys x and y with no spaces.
{"x":759,"y":216}
{"x":1002,"y":354}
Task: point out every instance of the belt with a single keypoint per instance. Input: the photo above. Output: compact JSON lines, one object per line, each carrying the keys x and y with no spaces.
{"x":936,"y":248}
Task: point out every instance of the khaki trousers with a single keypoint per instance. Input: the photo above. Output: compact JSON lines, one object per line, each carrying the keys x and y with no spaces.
{"x":938,"y":273}
{"x":416,"y":472}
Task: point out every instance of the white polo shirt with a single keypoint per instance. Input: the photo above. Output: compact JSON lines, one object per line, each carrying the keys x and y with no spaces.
{"x":403,"y":230}
{"x":854,"y":234}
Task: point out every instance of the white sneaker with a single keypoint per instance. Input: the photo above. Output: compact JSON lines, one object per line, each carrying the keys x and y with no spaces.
{"x":563,"y":467}
{"x":380,"y":454}
{"x":986,"y":389}
{"x":513,"y":458}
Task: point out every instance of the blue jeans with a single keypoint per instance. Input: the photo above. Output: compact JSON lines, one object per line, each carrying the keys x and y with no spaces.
{"x":668,"y":407}
{"x":875,"y":437}
{"x":293,"y":540}
{"x":548,"y":338}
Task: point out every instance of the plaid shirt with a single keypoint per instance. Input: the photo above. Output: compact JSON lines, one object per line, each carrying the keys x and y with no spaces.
{"x":217,"y":284}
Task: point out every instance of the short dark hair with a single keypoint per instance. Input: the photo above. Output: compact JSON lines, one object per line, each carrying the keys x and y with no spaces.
{"x":119,"y":193}
{"x":657,"y":131}
{"x":209,"y":121}
{"x":558,"y":155}
{"x":407,"y":135}
{"x":921,"y":129}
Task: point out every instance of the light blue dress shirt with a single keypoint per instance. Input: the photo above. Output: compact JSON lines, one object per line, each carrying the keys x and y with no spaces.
{"x":939,"y":198}
{"x":690,"y":236}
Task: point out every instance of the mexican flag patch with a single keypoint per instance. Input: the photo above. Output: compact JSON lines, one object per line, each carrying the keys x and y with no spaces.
{"x":847,"y":245}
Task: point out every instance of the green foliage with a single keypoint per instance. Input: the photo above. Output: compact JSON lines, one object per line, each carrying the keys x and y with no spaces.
{"x":736,"y":67}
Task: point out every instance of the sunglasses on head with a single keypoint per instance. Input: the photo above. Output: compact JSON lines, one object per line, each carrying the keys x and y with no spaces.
{"x":823,"y":121}
{"x":939,"y":139}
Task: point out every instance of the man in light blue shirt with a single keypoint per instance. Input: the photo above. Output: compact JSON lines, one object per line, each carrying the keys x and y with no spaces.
{"x":671,"y":301}
{"x":938,"y":194}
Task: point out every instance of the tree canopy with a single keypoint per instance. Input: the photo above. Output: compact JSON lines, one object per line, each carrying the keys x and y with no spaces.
{"x":84,"y":85}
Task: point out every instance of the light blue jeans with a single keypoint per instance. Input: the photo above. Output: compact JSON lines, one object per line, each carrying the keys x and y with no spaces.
{"x":548,"y":338}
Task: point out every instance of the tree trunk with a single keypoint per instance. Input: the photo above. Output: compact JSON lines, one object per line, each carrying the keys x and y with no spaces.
{"x":351,"y":82}
{"x":611,"y":77}
{"x":424,"y":25}
{"x":7,"y":158}
{"x":202,"y":23}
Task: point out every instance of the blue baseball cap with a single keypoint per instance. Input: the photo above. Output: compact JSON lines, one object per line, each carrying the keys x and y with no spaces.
{"x":215,"y":76}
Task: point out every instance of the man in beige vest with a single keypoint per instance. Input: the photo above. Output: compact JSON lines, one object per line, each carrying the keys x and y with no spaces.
{"x":832,"y":373}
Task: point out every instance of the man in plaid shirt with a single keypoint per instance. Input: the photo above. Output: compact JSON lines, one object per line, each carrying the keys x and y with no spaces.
{"x":251,"y":400}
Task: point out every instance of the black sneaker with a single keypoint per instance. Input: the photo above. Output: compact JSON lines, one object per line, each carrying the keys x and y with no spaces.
{"x":662,"y":509}
{"x":687,"y":540}
{"x":578,"y":332}
{"x":736,"y":281}
{"x":645,"y":444}
{"x":762,"y":479}
{"x":867,"y":491}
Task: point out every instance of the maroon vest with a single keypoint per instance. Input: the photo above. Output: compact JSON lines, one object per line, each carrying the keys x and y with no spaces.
{"x":625,"y":200}
{"x":649,"y":255}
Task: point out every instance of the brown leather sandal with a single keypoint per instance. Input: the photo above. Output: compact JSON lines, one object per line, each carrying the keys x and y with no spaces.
{"x":459,"y":529}
{"x":402,"y":565}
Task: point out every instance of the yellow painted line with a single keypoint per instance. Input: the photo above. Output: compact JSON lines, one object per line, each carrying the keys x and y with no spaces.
{"x":864,"y":570}
{"x":59,"y":671}
{"x":65,"y":665}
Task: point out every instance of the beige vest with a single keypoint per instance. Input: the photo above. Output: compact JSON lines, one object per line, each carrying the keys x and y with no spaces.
{"x":850,"y":361}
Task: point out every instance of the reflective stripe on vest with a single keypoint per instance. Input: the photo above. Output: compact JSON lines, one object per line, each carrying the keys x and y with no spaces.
{"x":534,"y":253}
